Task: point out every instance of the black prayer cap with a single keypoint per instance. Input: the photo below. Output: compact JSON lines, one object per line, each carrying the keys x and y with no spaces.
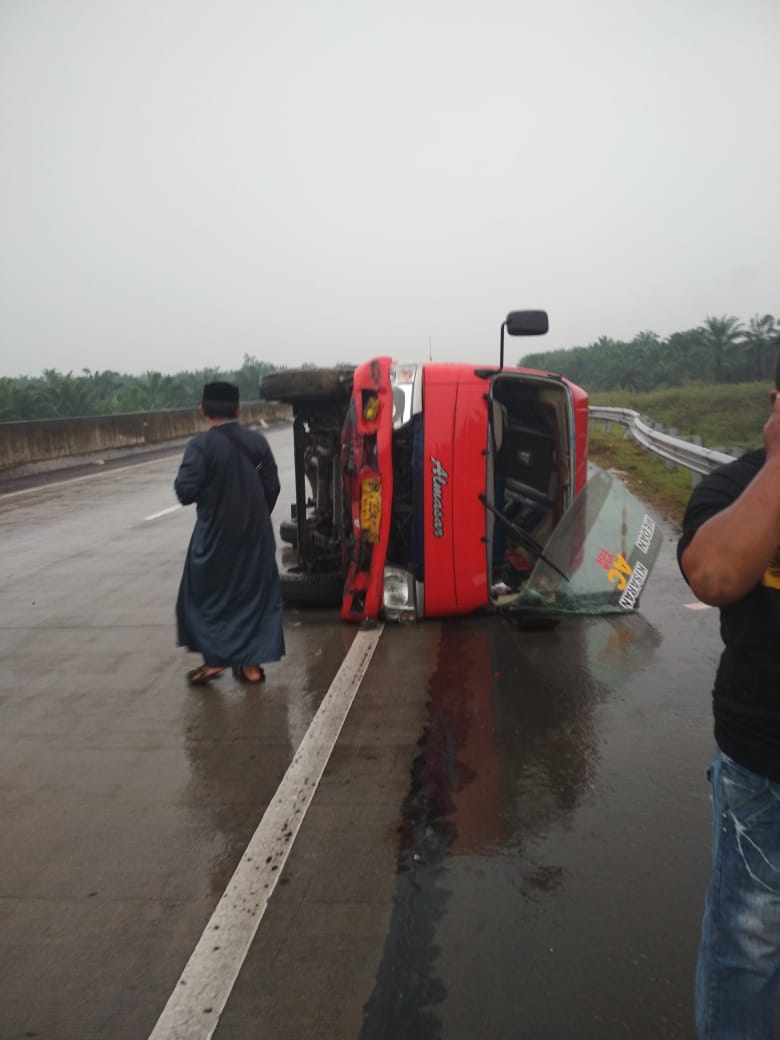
{"x":220,"y":400}
{"x":220,"y":393}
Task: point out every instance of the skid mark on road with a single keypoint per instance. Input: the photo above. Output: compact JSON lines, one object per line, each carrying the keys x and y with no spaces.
{"x":194,"y":1008}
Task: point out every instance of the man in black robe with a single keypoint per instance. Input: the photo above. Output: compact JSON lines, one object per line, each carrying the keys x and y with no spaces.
{"x":229,"y":607}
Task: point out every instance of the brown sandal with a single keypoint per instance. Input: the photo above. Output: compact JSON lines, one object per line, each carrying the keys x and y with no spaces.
{"x":203,"y":675}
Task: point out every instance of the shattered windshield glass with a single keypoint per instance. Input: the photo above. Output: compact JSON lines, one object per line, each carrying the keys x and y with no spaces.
{"x":599,"y":557}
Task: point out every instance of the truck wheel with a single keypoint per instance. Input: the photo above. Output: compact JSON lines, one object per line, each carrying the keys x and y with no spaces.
{"x":288,"y":532}
{"x":307,"y":384}
{"x":300,"y":589}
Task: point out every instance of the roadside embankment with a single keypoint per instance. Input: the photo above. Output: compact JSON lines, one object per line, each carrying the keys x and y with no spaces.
{"x":47,"y":444}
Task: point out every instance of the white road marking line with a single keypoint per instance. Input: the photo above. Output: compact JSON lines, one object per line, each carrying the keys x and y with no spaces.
{"x":697,"y":606}
{"x":194,"y":1008}
{"x":78,"y":480}
{"x":163,"y":512}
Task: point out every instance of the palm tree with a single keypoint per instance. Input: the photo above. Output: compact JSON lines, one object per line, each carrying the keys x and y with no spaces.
{"x":249,"y":375}
{"x":761,"y":338}
{"x":17,"y":399}
{"x":646,"y":349}
{"x":718,"y":335}
{"x":64,"y":396}
{"x":108,"y":387}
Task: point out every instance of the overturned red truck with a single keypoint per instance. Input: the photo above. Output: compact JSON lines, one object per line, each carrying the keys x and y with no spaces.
{"x":430,"y":489}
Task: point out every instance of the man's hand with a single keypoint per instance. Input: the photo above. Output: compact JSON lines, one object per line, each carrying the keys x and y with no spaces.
{"x":730,"y":552}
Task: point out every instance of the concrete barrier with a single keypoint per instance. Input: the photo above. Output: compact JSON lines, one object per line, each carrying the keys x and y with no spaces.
{"x":27,"y":447}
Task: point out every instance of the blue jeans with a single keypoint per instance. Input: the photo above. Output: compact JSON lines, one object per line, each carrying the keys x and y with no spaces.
{"x":738,"y":973}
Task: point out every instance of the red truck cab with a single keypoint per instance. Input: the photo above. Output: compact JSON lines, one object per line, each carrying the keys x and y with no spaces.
{"x":486,"y":462}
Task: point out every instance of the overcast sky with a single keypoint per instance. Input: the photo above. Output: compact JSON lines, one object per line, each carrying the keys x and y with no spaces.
{"x":186,"y":181}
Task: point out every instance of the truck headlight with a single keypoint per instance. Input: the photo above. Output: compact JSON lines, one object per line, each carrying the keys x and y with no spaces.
{"x":398,"y":594}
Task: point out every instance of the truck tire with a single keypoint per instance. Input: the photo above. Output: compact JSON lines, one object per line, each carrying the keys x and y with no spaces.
{"x":288,"y":532}
{"x":300,"y":589}
{"x":307,"y":384}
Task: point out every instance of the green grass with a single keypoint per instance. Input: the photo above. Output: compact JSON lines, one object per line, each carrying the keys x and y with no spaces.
{"x":723,"y":416}
{"x":643,"y":473}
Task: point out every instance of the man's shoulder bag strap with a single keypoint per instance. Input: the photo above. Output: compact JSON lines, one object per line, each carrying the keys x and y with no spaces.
{"x":230,"y":432}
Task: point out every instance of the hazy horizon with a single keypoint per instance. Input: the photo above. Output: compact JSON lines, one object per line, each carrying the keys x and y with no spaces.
{"x":513,"y":349}
{"x":187,"y":183}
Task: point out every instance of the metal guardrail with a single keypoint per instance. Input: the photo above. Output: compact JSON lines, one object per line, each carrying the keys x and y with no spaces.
{"x":692,"y":456}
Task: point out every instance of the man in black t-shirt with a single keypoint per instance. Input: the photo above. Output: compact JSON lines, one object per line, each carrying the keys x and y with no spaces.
{"x":728,"y":553}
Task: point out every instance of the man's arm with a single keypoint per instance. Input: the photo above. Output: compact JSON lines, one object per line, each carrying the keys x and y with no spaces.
{"x":731,"y":550}
{"x":190,"y":478}
{"x":270,"y":477}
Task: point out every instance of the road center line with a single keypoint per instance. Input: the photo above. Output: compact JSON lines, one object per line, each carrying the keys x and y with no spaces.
{"x":194,"y":1008}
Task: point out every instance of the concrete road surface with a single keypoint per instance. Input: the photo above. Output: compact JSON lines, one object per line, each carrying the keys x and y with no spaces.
{"x":507,"y":837}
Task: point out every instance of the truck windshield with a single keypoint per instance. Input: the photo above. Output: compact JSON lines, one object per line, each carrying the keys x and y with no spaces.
{"x":599,"y":557}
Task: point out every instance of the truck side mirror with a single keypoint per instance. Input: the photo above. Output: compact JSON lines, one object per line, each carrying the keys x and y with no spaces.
{"x":523,"y":323}
{"x":527,"y":323}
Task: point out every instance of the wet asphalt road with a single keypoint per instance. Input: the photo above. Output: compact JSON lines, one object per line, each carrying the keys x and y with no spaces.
{"x":510,"y":839}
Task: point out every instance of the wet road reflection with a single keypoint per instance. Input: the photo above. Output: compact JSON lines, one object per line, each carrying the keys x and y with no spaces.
{"x":518,"y":907}
{"x":239,"y":740}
